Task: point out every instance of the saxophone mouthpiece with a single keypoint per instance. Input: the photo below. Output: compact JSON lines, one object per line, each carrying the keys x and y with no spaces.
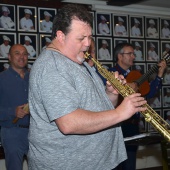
{"x":87,"y":55}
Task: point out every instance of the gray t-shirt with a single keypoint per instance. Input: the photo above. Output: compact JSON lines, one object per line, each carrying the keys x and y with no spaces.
{"x":58,"y":86}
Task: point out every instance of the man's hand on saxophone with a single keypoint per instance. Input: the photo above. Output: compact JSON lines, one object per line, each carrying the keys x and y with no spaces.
{"x":134,"y":101}
{"x":132,"y":104}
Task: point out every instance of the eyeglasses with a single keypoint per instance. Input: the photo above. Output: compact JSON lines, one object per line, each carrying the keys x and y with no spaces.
{"x":130,"y":54}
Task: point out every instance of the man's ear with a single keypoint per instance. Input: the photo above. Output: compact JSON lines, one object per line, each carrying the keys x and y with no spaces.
{"x":60,"y":36}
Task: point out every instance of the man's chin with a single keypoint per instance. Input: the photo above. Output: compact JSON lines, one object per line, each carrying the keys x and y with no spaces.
{"x":80,"y":57}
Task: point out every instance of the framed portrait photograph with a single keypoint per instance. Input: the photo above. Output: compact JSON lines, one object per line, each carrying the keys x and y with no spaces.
{"x":7,"y":39}
{"x":166,"y":76}
{"x":155,"y":102}
{"x":31,"y":44}
{"x":150,"y":127}
{"x":165,"y":48}
{"x":7,"y":18}
{"x":103,"y":24}
{"x":4,"y":65}
{"x":152,"y":50}
{"x":104,"y":48}
{"x":45,"y":19}
{"x":166,"y":96}
{"x":120,"y":40}
{"x":165,"y":28}
{"x":151,"y":27}
{"x":139,"y":49}
{"x":136,"y":26}
{"x":107,"y":65}
{"x":45,"y":40}
{"x":166,"y":115}
{"x":27,"y":18}
{"x":120,"y":25}
{"x":140,"y":67}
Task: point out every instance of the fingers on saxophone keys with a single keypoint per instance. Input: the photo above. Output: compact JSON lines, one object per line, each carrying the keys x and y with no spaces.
{"x":119,"y":77}
{"x":140,"y":104}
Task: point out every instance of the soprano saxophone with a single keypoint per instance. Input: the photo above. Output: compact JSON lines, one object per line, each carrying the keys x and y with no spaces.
{"x":125,"y":90}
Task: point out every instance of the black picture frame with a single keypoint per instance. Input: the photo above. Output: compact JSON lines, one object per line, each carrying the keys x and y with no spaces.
{"x":42,"y":41}
{"x":107,"y":65}
{"x":152,"y":50}
{"x":123,"y":30}
{"x":100,"y":41}
{"x":166,"y":96}
{"x":34,"y":43}
{"x":8,"y":23}
{"x":136,"y":26}
{"x":152,"y":31}
{"x":4,"y":64}
{"x":164,"y":28}
{"x":166,"y":76}
{"x":165,"y":48}
{"x":44,"y":26}
{"x":21,"y":18}
{"x":103,"y":28}
{"x":120,"y":40}
{"x":139,"y":49}
{"x":12,"y":41}
{"x":141,"y":67}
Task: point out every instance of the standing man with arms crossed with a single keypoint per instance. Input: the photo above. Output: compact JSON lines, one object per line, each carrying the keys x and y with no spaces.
{"x":124,"y":55}
{"x":14,"y":96}
{"x":73,"y":122}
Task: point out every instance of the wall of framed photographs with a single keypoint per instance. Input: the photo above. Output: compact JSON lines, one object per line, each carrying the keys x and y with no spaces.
{"x":150,"y":35}
{"x":148,"y":32}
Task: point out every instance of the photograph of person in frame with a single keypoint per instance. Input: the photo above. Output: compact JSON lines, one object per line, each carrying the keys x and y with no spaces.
{"x":138,"y":50}
{"x":45,"y":19}
{"x":119,"y":40}
{"x":167,"y":116}
{"x":4,"y":47}
{"x":152,"y":28}
{"x":165,"y":48}
{"x":152,"y":52}
{"x":4,"y":65}
{"x":7,"y":17}
{"x":103,"y":24}
{"x":166,"y":78}
{"x":166,"y":97}
{"x":120,"y":27}
{"x":103,"y":50}
{"x":165,"y":31}
{"x":30,"y":43}
{"x":27,"y":19}
{"x":136,"y":27}
{"x":6,"y":41}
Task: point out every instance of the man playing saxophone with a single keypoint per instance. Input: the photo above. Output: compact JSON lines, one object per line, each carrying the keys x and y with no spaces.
{"x":74,"y":124}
